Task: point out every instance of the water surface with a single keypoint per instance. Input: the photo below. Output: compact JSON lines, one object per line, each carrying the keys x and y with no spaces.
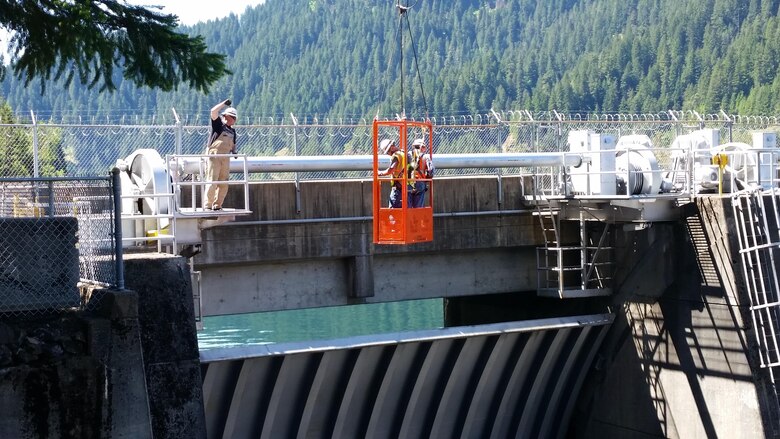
{"x":319,"y":323}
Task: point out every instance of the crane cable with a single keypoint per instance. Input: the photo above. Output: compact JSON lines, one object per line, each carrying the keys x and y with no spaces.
{"x":402,"y":14}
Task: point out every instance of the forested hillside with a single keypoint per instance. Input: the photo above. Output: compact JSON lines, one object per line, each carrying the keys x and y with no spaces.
{"x":340,"y":58}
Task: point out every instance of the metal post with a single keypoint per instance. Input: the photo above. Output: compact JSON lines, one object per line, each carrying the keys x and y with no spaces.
{"x":699,"y":119}
{"x":297,"y":176}
{"x":35,"y":145}
{"x":51,"y":199}
{"x":119,"y":263}
{"x":559,"y":144}
{"x":175,"y":201}
{"x":246,"y":185}
{"x":178,"y":132}
{"x":583,"y":252}
{"x":202,"y":187}
{"x":559,"y":131}
{"x":498,"y":150}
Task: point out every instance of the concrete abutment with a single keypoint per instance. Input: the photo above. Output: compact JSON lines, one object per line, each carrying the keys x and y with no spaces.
{"x":128,"y":367}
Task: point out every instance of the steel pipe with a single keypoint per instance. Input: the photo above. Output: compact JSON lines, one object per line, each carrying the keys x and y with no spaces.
{"x":191,"y":165}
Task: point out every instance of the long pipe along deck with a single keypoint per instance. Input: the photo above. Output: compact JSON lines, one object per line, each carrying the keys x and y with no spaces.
{"x":194,"y":164}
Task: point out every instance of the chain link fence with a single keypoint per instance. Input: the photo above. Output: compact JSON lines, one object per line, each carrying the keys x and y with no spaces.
{"x":55,"y":233}
{"x":49,"y":149}
{"x":59,"y":200}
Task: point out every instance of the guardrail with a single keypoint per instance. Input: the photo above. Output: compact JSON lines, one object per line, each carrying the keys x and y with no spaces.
{"x":198,"y":165}
{"x":675,"y":172}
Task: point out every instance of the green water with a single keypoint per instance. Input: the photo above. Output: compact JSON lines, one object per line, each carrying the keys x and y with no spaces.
{"x":319,"y":323}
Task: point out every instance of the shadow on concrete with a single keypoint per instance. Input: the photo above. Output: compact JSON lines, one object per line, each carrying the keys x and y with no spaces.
{"x":685,"y":365}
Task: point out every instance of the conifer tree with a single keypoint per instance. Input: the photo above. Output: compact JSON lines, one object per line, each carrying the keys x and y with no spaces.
{"x":54,"y":39}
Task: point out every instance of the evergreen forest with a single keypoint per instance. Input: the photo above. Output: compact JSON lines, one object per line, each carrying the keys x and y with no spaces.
{"x":360,"y":58}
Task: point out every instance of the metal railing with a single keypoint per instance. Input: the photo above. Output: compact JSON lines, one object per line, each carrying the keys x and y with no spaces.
{"x":57,"y":233}
{"x":757,"y":214}
{"x":198,"y":184}
{"x":755,"y":183}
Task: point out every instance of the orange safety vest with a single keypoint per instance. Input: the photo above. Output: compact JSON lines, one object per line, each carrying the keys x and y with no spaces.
{"x":425,"y":168}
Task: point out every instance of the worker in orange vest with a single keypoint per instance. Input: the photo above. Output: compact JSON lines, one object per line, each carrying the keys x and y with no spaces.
{"x":422,"y":169}
{"x":396,"y":170}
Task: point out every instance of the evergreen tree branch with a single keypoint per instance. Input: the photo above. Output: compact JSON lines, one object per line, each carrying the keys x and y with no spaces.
{"x":87,"y":39}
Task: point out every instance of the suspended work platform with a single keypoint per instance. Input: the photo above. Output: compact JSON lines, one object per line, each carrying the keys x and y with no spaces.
{"x":402,"y":194}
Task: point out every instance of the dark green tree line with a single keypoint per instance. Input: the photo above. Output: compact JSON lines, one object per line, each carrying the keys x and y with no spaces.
{"x":342,"y":59}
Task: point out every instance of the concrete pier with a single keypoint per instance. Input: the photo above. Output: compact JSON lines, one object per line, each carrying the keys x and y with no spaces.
{"x":684,"y":364}
{"x":127,"y":368}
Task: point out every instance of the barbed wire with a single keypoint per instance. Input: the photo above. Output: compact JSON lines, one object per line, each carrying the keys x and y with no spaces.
{"x":130,"y":117}
{"x":83,"y":150}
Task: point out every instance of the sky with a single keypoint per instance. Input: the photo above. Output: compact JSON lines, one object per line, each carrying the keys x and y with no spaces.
{"x":188,"y":11}
{"x":194,"y":11}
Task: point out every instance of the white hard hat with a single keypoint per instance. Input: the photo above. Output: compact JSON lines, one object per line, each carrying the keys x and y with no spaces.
{"x":230,"y":112}
{"x":384,"y":145}
{"x":418,"y":143}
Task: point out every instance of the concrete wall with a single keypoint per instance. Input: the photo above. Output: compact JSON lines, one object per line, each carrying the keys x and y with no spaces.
{"x":480,"y":247}
{"x":127,"y":368}
{"x":48,"y":381}
{"x":75,"y":374}
{"x":169,"y":343}
{"x":683,"y":366}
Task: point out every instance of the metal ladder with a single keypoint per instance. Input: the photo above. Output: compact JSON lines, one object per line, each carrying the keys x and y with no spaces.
{"x":549,"y":258}
{"x":758,"y":250}
{"x":583,"y":270}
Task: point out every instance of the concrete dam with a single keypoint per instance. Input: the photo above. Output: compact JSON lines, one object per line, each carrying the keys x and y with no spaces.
{"x":580,"y":313}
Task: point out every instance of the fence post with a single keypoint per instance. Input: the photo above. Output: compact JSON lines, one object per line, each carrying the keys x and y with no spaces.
{"x":729,"y":125}
{"x":499,"y":174}
{"x":559,"y":131}
{"x":178,"y":132}
{"x":297,"y":175}
{"x":51,"y":199}
{"x":35,"y":145}
{"x":119,"y":263}
{"x":177,"y":152}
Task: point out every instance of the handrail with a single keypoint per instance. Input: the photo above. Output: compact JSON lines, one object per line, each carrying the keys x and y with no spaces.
{"x":196,"y":164}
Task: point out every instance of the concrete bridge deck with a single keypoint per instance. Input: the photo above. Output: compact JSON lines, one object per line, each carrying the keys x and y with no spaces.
{"x":279,"y":258}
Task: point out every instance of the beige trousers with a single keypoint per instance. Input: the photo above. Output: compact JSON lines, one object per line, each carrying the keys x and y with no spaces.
{"x":218,"y":169}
